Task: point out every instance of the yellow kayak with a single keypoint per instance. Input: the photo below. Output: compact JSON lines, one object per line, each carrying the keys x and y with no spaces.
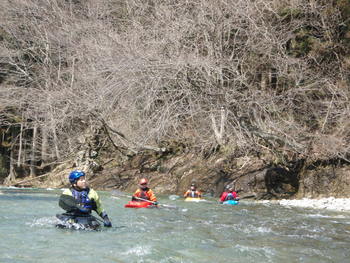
{"x":193,"y":199}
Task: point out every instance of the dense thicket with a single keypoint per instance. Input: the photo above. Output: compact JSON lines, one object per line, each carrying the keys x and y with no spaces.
{"x":250,"y":76}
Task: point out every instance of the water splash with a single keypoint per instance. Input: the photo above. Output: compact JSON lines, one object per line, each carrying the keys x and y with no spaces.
{"x":173,"y":197}
{"x":138,"y":251}
{"x":44,"y":221}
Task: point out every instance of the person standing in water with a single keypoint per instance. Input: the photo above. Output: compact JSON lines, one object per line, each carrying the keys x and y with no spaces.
{"x":144,"y":192}
{"x":228,"y":194}
{"x":87,"y":198}
{"x":192,"y":192}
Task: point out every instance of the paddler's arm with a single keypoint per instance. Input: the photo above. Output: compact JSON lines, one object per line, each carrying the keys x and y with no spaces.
{"x":152,"y":196}
{"x":223,"y":196}
{"x":99,"y":209}
{"x":135,"y":195}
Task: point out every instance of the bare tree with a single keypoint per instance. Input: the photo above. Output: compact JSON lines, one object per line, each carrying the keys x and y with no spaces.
{"x":149,"y":71}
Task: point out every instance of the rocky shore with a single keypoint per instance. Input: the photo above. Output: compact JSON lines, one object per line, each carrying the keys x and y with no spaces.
{"x":320,"y":185}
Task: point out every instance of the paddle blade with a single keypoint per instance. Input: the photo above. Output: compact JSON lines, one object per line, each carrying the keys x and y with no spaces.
{"x":68,"y":203}
{"x":168,"y":206}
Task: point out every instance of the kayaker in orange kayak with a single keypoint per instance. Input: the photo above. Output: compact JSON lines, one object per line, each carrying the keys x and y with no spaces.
{"x":192,"y":192}
{"x":144,"y":192}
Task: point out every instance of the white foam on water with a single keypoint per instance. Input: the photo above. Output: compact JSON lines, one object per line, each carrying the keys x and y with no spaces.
{"x":44,"y":221}
{"x":267,"y":251}
{"x":138,"y":251}
{"x":317,"y":237}
{"x":173,"y":197}
{"x":9,"y":187}
{"x":263,"y":229}
{"x":248,"y":229}
{"x":170,"y":259}
{"x":325,"y":216}
{"x":330,"y":203}
{"x":207,"y":222}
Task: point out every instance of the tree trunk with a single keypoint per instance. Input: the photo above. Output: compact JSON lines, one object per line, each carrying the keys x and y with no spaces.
{"x":32,"y":157}
{"x":44,"y":145}
{"x":55,"y":141}
{"x":12,"y":174}
{"x":219,"y":134}
{"x":19,"y":157}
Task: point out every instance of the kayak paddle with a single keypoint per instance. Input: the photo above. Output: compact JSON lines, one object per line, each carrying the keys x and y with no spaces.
{"x":119,"y":193}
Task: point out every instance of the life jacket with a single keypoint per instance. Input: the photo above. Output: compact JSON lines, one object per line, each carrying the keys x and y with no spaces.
{"x":193,"y":194}
{"x":144,"y":194}
{"x":83,"y":197}
{"x":230,"y":196}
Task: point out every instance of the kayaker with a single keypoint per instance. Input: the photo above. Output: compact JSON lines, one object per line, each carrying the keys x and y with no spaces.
{"x":144,"y":192}
{"x":87,"y":198}
{"x":228,"y":194}
{"x":192,"y":192}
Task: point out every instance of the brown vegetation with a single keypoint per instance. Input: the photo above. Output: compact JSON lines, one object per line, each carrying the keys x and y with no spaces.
{"x":242,"y":77}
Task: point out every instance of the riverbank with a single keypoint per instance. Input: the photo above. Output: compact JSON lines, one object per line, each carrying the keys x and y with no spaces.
{"x":329,"y":203}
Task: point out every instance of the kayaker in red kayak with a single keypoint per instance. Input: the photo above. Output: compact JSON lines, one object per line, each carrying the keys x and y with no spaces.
{"x":144,"y":192}
{"x":192,"y":192}
{"x":228,"y":194}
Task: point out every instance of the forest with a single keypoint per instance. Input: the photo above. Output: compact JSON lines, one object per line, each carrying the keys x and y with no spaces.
{"x":117,"y":77}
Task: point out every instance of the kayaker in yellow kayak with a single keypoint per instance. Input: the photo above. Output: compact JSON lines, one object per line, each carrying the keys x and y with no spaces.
{"x":192,"y":192}
{"x":144,"y":192}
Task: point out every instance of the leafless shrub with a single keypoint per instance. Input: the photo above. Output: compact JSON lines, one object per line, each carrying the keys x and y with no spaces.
{"x":270,"y":72}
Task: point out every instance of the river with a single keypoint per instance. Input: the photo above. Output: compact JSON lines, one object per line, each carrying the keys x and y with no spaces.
{"x":184,"y":232}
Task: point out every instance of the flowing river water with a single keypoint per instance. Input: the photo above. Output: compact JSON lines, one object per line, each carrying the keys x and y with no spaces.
{"x":184,"y":232}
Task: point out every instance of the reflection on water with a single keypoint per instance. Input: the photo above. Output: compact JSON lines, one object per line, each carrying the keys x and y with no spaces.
{"x":185,"y":232}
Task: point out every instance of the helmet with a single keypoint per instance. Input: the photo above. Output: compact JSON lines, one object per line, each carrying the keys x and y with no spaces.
{"x":228,"y":187}
{"x":75,"y":175}
{"x":143,"y":181}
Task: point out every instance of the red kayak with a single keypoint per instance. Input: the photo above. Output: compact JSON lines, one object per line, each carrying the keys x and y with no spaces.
{"x":138,"y":204}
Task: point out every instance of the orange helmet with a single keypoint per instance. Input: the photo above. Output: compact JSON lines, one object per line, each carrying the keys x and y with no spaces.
{"x":143,"y":181}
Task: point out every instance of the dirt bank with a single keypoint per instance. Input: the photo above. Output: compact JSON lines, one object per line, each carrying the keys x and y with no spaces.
{"x":253,"y":176}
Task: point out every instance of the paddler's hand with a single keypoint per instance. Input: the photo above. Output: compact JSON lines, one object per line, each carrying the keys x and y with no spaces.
{"x":106,"y":221}
{"x":155,"y":203}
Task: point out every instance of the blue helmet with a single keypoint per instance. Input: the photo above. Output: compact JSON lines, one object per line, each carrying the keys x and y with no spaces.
{"x":75,"y":175}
